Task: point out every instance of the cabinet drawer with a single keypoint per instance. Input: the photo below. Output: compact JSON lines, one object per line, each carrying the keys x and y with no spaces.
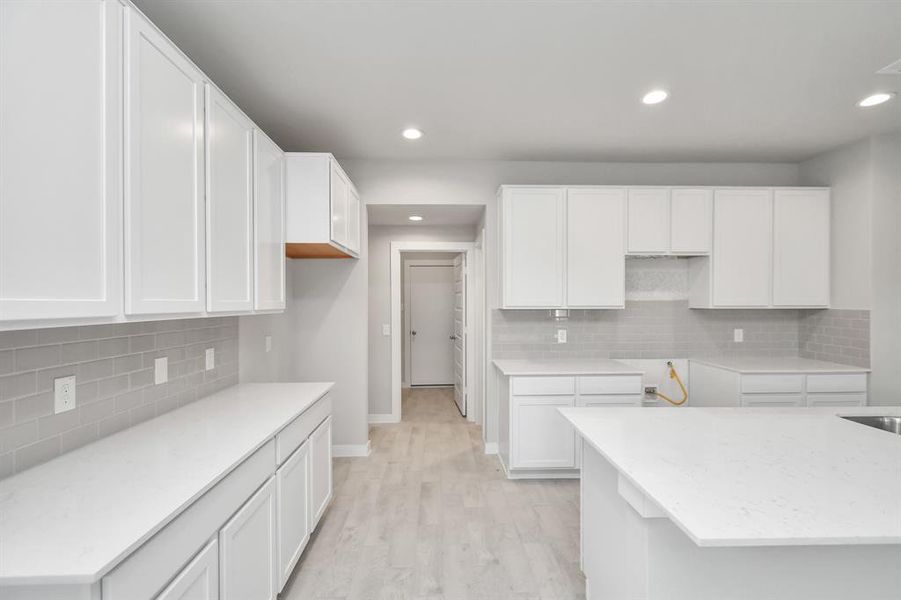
{"x":852,"y":399}
{"x":146,"y":571}
{"x":543,"y":386}
{"x":294,"y":433}
{"x":838,"y":382}
{"x":610,"y":400}
{"x":610,"y":384}
{"x":771,"y":400}
{"x":765,"y":384}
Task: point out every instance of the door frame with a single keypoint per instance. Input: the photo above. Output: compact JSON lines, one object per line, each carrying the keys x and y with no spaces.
{"x":475,"y":394}
{"x":407,"y":364}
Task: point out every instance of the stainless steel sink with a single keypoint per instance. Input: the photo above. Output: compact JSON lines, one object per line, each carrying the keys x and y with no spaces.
{"x":885,"y":423}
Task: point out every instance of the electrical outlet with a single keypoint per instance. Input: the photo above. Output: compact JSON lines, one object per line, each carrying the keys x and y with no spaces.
{"x":161,"y":370}
{"x":63,"y":394}
{"x":268,"y":343}
{"x":561,"y":336}
{"x":738,"y":335}
{"x":650,"y":390}
{"x":386,"y":329}
{"x":210,"y":359}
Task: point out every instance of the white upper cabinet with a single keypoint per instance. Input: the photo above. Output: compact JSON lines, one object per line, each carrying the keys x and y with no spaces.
{"x":534,"y":246}
{"x":742,"y":245}
{"x":801,"y":221}
{"x":229,"y":205}
{"x":354,"y":210}
{"x":269,"y":223}
{"x":649,"y":221}
{"x":691,"y":221}
{"x":323,"y":208}
{"x":164,"y":174}
{"x":595,"y":264}
{"x":60,"y":159}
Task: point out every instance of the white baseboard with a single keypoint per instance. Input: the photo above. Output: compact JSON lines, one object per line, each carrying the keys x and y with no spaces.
{"x":490,"y":447}
{"x":352,"y":450}
{"x":383,"y":418}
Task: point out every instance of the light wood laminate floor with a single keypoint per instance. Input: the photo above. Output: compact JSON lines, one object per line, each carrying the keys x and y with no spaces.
{"x":429,"y":516}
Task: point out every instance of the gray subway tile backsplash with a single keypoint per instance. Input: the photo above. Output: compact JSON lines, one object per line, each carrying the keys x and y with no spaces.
{"x":113,"y":365}
{"x":836,"y":335}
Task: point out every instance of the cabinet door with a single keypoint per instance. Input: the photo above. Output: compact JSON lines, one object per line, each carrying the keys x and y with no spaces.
{"x":612,"y":400}
{"x":595,"y":260}
{"x":742,"y":230}
{"x":199,"y":580}
{"x":292,"y":482}
{"x":649,"y":224}
{"x":353,"y":220}
{"x":229,"y":206}
{"x":247,"y":561}
{"x":541,"y":438}
{"x":691,"y":221}
{"x":801,"y":247}
{"x":320,"y":470}
{"x":534,"y":229}
{"x":164,"y":208}
{"x":60,"y":159}
{"x":338,"y":193}
{"x":269,"y":224}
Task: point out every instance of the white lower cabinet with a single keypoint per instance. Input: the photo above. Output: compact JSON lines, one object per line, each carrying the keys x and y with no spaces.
{"x":247,"y":564}
{"x":320,"y":470}
{"x":541,"y":438}
{"x":541,"y":441}
{"x":292,"y":488}
{"x":199,"y":580}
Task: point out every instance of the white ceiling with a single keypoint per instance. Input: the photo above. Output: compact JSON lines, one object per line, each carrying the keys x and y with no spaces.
{"x":445,"y":215}
{"x":549,"y":80}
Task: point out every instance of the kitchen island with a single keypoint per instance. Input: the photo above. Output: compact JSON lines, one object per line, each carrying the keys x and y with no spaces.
{"x":714,"y":504}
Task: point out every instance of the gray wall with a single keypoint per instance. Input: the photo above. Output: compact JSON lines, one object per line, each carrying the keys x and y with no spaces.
{"x":866,"y":181}
{"x":113,"y":365}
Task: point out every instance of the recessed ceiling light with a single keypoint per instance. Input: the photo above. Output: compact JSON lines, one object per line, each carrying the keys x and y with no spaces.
{"x":655,"y":97}
{"x":411,"y":133}
{"x":415,"y":218}
{"x":876,"y":99}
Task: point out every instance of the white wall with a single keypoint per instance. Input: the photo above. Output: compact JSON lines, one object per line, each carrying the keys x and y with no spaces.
{"x":476,"y":182}
{"x":380,"y":239}
{"x":849,"y":172}
{"x":320,"y":337}
{"x":885,"y":316}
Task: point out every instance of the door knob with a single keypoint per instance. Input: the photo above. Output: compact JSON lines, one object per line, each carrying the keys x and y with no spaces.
{"x":412,"y":333}
{"x":453,"y":337}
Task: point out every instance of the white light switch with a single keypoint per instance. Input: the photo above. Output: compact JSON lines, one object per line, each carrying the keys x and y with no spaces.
{"x":561,"y":336}
{"x":63,"y":394}
{"x":738,"y":335}
{"x":161,"y":370}
{"x":268,"y":343}
{"x":386,"y":329}
{"x":210,"y":359}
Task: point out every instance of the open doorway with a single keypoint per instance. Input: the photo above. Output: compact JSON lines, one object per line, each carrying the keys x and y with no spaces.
{"x":433,"y":304}
{"x":435,"y":322}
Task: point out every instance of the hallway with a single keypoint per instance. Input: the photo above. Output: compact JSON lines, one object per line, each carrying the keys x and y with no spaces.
{"x":429,"y":515}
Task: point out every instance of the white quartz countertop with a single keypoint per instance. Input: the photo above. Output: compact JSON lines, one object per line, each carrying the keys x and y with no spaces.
{"x":791,"y":364}
{"x":755,"y":476}
{"x":562,"y":366}
{"x":72,"y":519}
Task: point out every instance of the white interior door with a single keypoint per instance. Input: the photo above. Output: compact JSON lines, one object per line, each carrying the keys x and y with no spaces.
{"x":460,"y":316}
{"x":432,"y":325}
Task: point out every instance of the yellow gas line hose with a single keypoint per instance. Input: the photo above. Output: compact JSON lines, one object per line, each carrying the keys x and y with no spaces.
{"x":674,"y":375}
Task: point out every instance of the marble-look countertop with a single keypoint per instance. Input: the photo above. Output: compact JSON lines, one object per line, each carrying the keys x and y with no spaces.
{"x":564,"y":366}
{"x":74,"y":518}
{"x":756,"y":476}
{"x":775,"y":364}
